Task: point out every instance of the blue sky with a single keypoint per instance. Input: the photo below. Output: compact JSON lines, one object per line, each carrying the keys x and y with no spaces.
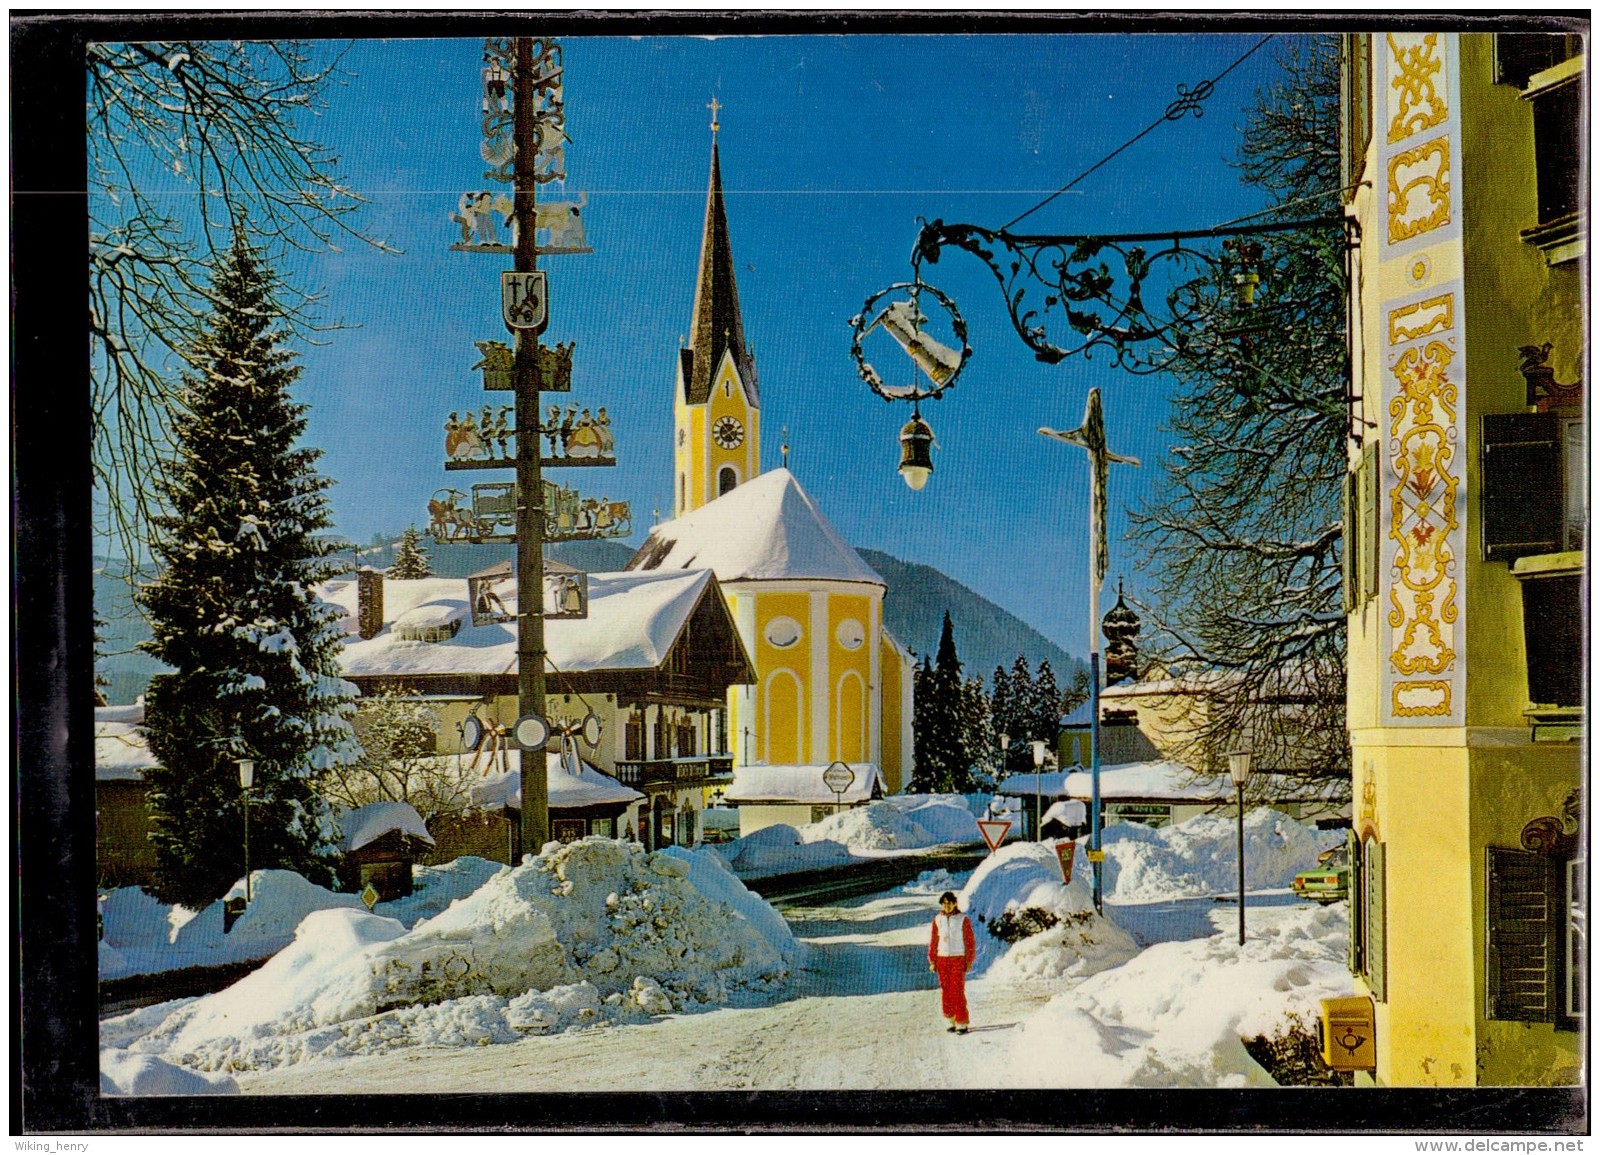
{"x":832,"y":147}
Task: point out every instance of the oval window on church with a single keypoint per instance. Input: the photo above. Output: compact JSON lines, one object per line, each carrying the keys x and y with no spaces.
{"x":850,"y":634}
{"x":783,"y":632}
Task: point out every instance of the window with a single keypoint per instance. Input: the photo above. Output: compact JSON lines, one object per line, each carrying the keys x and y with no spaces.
{"x":1549,"y":68}
{"x":1360,"y":553}
{"x":783,"y":632}
{"x":1535,"y":922}
{"x":1552,"y":631}
{"x":633,"y":731}
{"x":1518,"y":55}
{"x":1368,"y":955}
{"x":1355,"y":107}
{"x":726,"y":480}
{"x":719,"y":731}
{"x":1525,"y":495}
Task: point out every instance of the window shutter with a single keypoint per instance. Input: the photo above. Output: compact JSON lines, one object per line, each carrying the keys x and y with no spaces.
{"x":1375,"y":960}
{"x":1353,"y":857}
{"x":1347,"y":558}
{"x":1522,"y":913}
{"x":1367,"y":511}
{"x":1521,"y":503}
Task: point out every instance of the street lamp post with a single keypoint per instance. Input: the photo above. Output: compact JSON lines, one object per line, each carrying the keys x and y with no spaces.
{"x":247,"y":777}
{"x":1038,"y":795}
{"x":1239,"y":771}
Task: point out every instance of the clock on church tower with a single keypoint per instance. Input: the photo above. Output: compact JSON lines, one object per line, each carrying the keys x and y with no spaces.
{"x":728,"y":432}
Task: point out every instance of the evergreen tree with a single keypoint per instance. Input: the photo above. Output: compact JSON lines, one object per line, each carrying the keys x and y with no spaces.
{"x":1002,"y":717}
{"x":1045,"y":707}
{"x":922,"y":775}
{"x":1017,"y":721}
{"x":948,"y":764}
{"x":978,"y":733}
{"x":253,"y":651}
{"x":410,"y":557}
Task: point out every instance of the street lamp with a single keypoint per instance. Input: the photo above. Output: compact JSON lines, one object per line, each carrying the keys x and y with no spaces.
{"x":916,"y":458}
{"x":247,"y":778}
{"x":1005,"y":745}
{"x":1038,"y":803}
{"x":1239,"y":771}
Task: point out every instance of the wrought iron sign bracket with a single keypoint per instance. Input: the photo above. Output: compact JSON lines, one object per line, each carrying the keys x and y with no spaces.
{"x":1146,"y":306}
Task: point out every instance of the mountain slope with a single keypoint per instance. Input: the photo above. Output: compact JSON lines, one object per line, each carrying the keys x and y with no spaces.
{"x":986,"y":635}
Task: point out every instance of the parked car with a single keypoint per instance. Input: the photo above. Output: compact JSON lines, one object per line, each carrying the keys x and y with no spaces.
{"x":1329,"y":881}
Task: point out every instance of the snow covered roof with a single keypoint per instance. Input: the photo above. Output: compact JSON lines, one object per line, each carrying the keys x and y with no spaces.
{"x":1071,"y":812}
{"x":1175,"y":782}
{"x":764,"y":530}
{"x":1050,"y":784}
{"x":634,"y":618}
{"x":1163,"y":781}
{"x":366,"y":824}
{"x":801,"y":784}
{"x":120,"y":751}
{"x":572,"y":783}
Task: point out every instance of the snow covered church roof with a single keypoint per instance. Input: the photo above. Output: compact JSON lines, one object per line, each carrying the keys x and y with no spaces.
{"x":767,"y":529}
{"x":801,"y":784}
{"x":634,"y":619}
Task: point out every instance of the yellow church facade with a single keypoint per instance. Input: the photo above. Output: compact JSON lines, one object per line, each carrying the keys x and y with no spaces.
{"x":832,"y":685}
{"x":1465,"y":535}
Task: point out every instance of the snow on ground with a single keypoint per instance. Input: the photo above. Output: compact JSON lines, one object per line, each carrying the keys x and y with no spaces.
{"x":599,"y":934}
{"x":1027,"y":876}
{"x":595,"y":931}
{"x":143,"y":936}
{"x":1201,"y":856}
{"x":1176,"y":1014}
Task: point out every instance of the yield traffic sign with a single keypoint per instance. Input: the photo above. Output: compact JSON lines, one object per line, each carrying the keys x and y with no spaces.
{"x":993,"y":831}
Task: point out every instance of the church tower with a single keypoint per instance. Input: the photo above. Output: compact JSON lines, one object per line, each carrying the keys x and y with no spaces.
{"x":716,"y":405}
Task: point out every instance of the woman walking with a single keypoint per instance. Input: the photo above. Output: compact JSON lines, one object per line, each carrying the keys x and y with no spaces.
{"x":950,"y":953}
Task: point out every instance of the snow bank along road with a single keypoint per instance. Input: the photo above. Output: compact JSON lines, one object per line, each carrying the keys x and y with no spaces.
{"x":865,"y":1015}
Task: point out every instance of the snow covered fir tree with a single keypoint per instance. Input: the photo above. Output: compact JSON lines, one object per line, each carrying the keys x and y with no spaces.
{"x":410,"y":557}
{"x":942,"y":756}
{"x":253,"y":651}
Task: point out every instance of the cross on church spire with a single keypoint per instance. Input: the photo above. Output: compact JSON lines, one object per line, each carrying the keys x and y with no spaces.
{"x":714,"y":106}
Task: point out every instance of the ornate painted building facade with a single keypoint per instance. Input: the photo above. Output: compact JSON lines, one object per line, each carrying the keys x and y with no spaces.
{"x":1466,"y":554}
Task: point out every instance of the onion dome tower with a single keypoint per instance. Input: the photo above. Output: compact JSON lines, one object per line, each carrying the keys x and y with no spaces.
{"x":1120,"y":627}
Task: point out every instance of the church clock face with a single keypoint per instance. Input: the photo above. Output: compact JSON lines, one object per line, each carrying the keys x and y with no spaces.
{"x":728,"y":432}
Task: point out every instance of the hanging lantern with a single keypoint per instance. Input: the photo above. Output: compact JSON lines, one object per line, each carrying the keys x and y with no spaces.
{"x":916,"y":456}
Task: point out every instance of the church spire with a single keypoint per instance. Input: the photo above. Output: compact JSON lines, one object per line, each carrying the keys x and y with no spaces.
{"x":717,"y":326}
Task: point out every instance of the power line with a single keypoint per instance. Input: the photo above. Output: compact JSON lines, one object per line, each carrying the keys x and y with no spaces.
{"x":1188,"y":101}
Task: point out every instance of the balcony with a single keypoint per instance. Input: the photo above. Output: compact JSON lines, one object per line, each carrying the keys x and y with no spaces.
{"x":666,"y":773}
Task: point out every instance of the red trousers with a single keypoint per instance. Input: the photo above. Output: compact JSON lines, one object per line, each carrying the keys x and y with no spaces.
{"x":953,"y":986}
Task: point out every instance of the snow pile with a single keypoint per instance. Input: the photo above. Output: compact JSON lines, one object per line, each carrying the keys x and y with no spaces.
{"x":143,"y":936}
{"x":1175,"y":1015}
{"x":780,"y":849}
{"x":899,"y":824}
{"x":1027,"y":875}
{"x":122,"y":1073}
{"x":594,"y":931}
{"x":1201,"y":856}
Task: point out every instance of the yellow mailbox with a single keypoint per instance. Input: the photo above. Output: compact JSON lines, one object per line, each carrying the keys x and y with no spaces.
{"x":1348,"y":1033}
